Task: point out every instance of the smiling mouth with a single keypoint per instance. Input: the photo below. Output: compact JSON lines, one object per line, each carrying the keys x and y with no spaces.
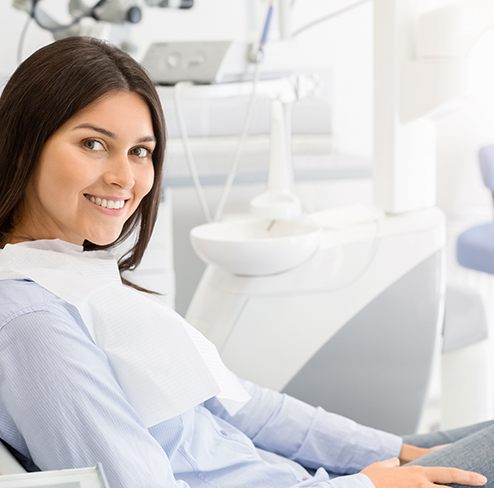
{"x":112,"y":204}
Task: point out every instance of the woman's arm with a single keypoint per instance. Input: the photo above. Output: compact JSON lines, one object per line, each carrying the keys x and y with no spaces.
{"x":312,"y":436}
{"x":60,"y":392}
{"x":309,"y":435}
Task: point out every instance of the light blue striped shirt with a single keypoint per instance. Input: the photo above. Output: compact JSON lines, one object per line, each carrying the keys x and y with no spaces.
{"x":62,"y":407}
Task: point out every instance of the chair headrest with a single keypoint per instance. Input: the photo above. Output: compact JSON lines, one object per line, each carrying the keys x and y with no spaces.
{"x":486,"y":160}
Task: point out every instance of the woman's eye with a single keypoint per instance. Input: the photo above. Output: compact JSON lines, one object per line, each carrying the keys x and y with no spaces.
{"x":93,"y":145}
{"x":141,"y":152}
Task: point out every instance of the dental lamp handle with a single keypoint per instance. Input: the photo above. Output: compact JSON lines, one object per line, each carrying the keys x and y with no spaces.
{"x":280,"y":174}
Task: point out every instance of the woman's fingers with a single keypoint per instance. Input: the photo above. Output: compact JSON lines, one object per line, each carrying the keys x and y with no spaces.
{"x":439,"y":447}
{"x":388,"y":474}
{"x":453,"y":475}
{"x":410,"y":453}
{"x":388,"y":463}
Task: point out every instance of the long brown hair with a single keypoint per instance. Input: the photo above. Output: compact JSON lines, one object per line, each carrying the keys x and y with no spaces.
{"x":47,"y":89}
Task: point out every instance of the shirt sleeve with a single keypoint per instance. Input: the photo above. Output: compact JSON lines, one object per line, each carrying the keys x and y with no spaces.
{"x":354,"y":481}
{"x":60,"y":391}
{"x":311,"y":436}
{"x":320,"y":480}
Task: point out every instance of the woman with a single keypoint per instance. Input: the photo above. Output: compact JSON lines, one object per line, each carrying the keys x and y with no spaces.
{"x":82,"y":141}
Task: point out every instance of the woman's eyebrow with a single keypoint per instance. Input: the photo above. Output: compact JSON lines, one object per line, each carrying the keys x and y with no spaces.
{"x":110,"y":134}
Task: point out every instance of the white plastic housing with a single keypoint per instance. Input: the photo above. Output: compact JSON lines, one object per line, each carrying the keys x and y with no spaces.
{"x":278,"y":202}
{"x":255,"y":247}
{"x":419,"y":68}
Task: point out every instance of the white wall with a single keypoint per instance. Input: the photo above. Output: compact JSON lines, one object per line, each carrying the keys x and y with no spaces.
{"x":12,"y":22}
{"x":346,"y":45}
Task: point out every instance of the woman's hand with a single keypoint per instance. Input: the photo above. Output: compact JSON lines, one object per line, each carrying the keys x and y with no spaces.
{"x":389,"y":474}
{"x":410,"y":453}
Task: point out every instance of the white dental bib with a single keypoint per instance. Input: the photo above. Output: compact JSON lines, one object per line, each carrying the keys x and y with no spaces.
{"x":164,"y":366}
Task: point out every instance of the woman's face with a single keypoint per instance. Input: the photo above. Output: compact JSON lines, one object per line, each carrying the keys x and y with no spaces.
{"x":92,"y":174}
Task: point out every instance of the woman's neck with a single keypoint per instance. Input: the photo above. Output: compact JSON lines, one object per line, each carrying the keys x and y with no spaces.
{"x":15,"y":239}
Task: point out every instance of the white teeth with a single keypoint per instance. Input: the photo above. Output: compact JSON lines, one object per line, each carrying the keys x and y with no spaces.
{"x":112,"y":204}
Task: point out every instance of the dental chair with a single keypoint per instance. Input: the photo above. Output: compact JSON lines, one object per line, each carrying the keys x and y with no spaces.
{"x":16,"y":470}
{"x":10,"y":461}
{"x":355,"y":329}
{"x":475,"y":246}
{"x":468,"y":376}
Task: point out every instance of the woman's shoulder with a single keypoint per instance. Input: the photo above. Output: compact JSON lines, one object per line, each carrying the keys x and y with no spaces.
{"x":19,"y":297}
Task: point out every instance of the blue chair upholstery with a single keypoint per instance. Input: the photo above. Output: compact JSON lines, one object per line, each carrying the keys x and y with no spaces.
{"x":475,"y":246}
{"x":486,"y":160}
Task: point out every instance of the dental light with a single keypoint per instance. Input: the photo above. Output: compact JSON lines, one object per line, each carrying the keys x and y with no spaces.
{"x":110,"y":11}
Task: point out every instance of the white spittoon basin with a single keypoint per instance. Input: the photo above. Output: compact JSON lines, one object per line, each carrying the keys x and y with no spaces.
{"x":256,"y":247}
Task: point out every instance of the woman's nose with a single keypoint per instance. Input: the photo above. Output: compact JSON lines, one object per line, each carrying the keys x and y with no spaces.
{"x":119,"y":172}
